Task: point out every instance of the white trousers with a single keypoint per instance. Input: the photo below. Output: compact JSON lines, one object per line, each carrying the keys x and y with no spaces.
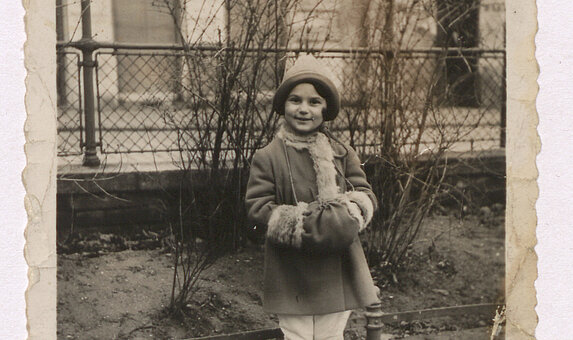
{"x":314,"y":327}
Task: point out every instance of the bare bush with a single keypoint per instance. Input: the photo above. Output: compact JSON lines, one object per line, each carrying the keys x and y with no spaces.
{"x":400,"y":111}
{"x":222,"y":115}
{"x":411,"y":111}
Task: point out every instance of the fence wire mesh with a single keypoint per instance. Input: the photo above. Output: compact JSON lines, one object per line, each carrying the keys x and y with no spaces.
{"x":173,"y":100}
{"x":70,"y":123}
{"x":161,"y":101}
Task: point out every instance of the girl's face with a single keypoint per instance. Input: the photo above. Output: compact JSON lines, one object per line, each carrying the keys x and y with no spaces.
{"x":303,"y":109}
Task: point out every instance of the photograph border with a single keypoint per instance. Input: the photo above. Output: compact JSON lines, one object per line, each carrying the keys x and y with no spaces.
{"x":39,"y":175}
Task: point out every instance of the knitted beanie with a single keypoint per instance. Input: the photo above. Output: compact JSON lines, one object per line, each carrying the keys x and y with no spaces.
{"x":307,"y":69}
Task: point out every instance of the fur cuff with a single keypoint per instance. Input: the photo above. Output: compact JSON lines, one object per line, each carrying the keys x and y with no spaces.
{"x":364,"y":203}
{"x":285,"y":224}
{"x":355,"y":212}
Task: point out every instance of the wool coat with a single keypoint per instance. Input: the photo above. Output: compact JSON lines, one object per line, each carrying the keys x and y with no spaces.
{"x":285,"y":176}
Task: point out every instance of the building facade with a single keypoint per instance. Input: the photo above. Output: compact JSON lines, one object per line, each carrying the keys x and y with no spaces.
{"x":445,"y":49}
{"x":325,"y":24}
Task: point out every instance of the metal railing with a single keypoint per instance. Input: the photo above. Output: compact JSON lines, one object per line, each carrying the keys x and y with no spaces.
{"x":135,"y":86}
{"x":126,"y":98}
{"x":376,"y":319}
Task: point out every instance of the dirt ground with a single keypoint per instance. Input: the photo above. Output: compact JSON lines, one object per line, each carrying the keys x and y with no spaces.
{"x":107,"y":294}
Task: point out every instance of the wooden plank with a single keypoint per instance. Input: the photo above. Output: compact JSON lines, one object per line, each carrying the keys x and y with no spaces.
{"x":262,"y":334}
{"x":485,"y":308}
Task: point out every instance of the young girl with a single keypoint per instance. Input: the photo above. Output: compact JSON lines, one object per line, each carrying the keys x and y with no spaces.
{"x":301,"y":171}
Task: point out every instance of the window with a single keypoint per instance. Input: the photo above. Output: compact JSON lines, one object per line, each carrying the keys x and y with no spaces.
{"x":146,"y":22}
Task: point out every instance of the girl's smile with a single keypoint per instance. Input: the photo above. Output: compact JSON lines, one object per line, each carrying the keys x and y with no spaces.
{"x":304,"y":108}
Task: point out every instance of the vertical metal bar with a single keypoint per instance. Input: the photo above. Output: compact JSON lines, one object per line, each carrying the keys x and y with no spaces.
{"x":98,"y":96}
{"x":87,"y":46}
{"x":80,"y":102}
{"x":374,"y":321}
{"x":178,"y":13}
{"x":503,"y":118}
{"x":60,"y":56}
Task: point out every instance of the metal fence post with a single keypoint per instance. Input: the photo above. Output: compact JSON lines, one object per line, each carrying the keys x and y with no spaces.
{"x":60,"y":57}
{"x":374,"y":321}
{"x":503,"y":118}
{"x":87,"y":45}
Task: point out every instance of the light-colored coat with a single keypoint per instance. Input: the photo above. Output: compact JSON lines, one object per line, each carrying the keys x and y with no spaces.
{"x":297,"y":282}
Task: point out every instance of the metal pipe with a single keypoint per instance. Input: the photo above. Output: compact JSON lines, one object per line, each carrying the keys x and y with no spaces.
{"x":87,"y":46}
{"x":503,"y":113}
{"x":216,"y":48}
{"x":374,"y":321}
{"x":60,"y":57}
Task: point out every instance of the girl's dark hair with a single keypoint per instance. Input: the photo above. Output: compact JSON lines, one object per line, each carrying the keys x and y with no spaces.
{"x":323,"y":92}
{"x":320,"y":89}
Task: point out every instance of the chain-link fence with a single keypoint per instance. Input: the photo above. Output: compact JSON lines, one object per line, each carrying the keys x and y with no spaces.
{"x":70,"y":119}
{"x":427,"y":98}
{"x":148,"y":100}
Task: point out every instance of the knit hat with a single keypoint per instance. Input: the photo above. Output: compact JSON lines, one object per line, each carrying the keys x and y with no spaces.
{"x":307,"y":69}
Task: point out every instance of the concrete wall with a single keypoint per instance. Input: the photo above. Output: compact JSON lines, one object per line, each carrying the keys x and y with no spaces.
{"x":492,"y":30}
{"x":492,"y":24}
{"x":127,"y":200}
{"x":204,"y":23}
{"x":102,"y":20}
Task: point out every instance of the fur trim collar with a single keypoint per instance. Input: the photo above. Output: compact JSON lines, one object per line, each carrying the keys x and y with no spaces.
{"x":318,"y":145}
{"x":286,"y":133}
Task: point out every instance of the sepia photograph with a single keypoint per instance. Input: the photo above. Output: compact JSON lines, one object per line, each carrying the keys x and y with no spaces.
{"x":281,"y":169}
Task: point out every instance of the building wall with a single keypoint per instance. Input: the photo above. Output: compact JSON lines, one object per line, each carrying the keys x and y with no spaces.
{"x":102,"y":20}
{"x":102,"y":30}
{"x":323,"y":24}
{"x":140,"y":21}
{"x":204,"y":23}
{"x":144,"y":22}
{"x":492,"y":29}
{"x":492,"y":24}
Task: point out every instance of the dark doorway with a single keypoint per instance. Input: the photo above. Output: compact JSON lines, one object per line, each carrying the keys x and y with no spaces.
{"x":458,"y":29}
